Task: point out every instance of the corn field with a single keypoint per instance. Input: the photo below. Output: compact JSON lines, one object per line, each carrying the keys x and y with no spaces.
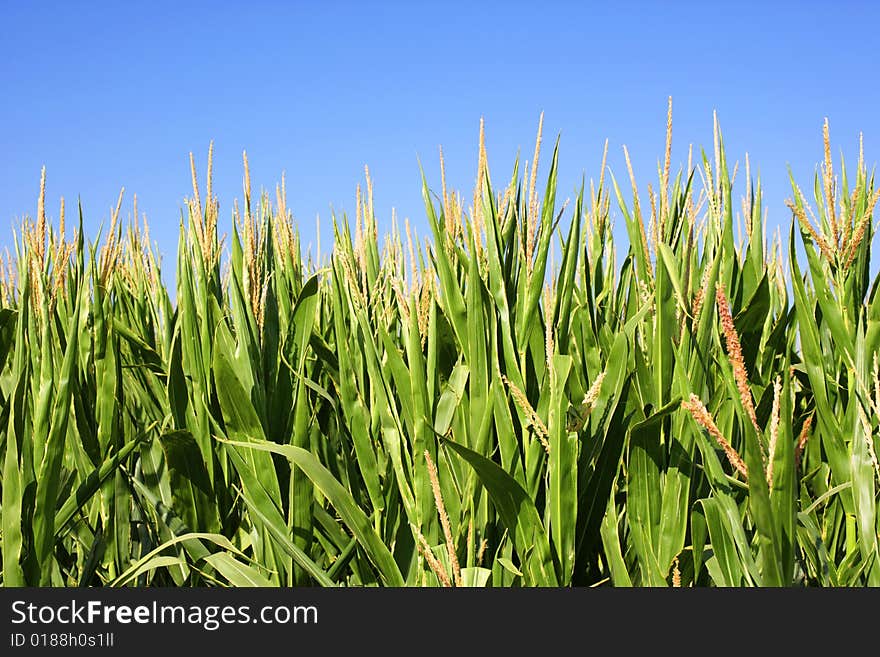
{"x":516,"y":401}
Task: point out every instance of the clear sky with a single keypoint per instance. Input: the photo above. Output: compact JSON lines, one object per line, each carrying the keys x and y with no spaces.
{"x":117,"y":94}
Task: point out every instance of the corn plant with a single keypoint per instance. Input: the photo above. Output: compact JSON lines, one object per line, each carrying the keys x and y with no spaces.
{"x":694,"y":407}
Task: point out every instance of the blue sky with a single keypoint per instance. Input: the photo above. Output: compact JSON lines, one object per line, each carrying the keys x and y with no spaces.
{"x":112,"y":95}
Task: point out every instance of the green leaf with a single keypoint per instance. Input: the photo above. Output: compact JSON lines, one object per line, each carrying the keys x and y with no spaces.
{"x":342,"y":501}
{"x":518,"y":513}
